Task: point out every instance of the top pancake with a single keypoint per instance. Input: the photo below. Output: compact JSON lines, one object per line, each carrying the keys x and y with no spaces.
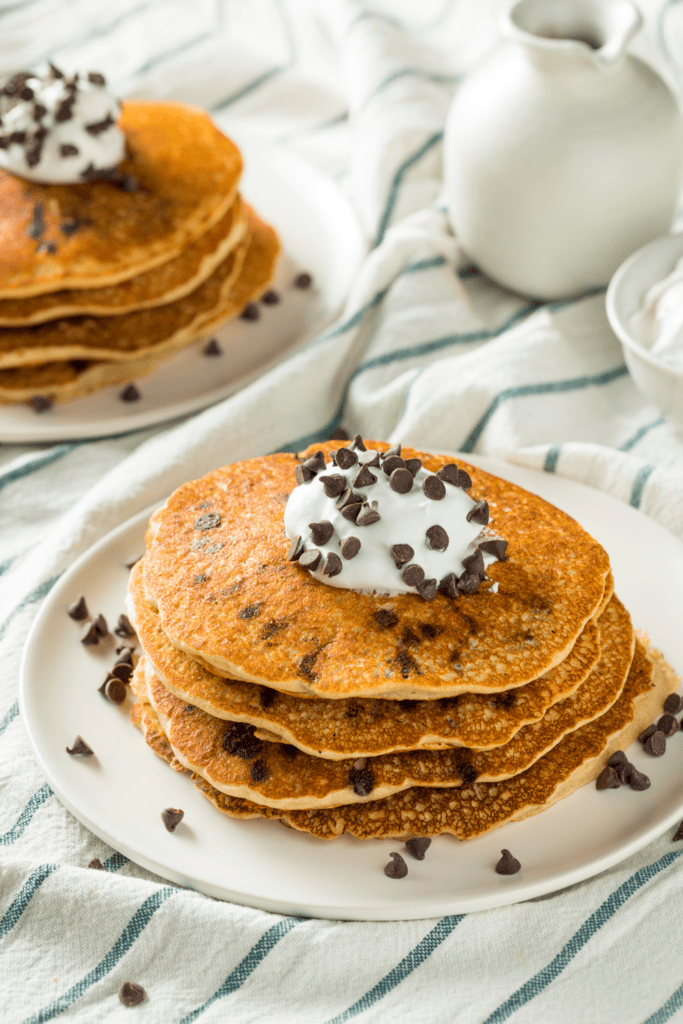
{"x":229,"y":598}
{"x":188,"y":172}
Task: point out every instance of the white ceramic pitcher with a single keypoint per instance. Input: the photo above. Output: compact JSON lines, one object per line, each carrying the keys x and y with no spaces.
{"x":563,"y":154}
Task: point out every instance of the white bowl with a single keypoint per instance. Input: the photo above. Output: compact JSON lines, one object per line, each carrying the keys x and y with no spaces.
{"x":657,"y":380}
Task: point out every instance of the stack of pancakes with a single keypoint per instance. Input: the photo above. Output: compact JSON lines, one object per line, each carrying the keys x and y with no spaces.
{"x":377,"y":715}
{"x":101,"y":281}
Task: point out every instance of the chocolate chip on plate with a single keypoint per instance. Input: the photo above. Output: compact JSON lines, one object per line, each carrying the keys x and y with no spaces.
{"x":449,"y":585}
{"x":78,"y":609}
{"x":207,"y":521}
{"x":624,"y":771}
{"x":171,"y":817}
{"x":673,"y":704}
{"x":124,"y":627}
{"x":667,"y":724}
{"x":100,"y":625}
{"x":96,"y":864}
{"x":270,"y":298}
{"x":310,"y":559}
{"x":350,"y":547}
{"x":678,"y":834}
{"x":413,"y":574}
{"x":418,"y":847}
{"x":115,"y":690}
{"x":507,"y":865}
{"x":646,"y":733}
{"x":497,"y":548}
{"x":434,"y":488}
{"x":402,"y":553}
{"x":437,"y":538}
{"x":639,"y":781}
{"x":89,"y":635}
{"x":80,"y":747}
{"x":250,"y":312}
{"x":41,"y":403}
{"x":333,"y":565}
{"x":321,"y":532}
{"x":212,"y":349}
{"x":397,"y":867}
{"x":607,"y":779}
{"x":656,"y":744}
{"x":130,"y":394}
{"x":132,"y":994}
{"x":122,"y":670}
{"x":303,"y":281}
{"x":401,"y":480}
{"x":617,"y":758}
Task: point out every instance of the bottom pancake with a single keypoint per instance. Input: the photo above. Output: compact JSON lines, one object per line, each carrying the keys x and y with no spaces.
{"x":473,"y":810}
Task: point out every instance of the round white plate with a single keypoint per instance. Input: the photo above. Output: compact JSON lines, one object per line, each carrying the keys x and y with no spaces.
{"x":120,"y":793}
{"x":320,"y":234}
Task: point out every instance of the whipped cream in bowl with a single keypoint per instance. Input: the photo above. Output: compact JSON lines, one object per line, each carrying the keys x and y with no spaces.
{"x":57,"y":129}
{"x":658,"y":324}
{"x":374,"y":522}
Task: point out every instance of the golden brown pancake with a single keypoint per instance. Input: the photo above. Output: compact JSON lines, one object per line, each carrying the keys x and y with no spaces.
{"x":359,"y":727}
{"x":169,"y":281}
{"x":228,"y":597}
{"x":476,"y":809}
{"x":188,"y":173}
{"x":277,"y":775}
{"x":161,"y":331}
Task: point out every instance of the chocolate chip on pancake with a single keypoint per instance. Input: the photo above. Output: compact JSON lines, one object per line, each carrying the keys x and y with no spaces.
{"x":449,"y":585}
{"x":402,"y":553}
{"x":418,"y":847}
{"x":316,"y":463}
{"x":365,"y":478}
{"x":497,"y":548}
{"x":507,"y":865}
{"x":386,"y":618}
{"x":171,"y":817}
{"x":346,"y":458}
{"x":130,"y":993}
{"x":321,"y":532}
{"x":250,"y":312}
{"x":239,"y":739}
{"x":266,"y":696}
{"x":250,"y":611}
{"x":401,"y":480}
{"x":367,"y":515}
{"x":333,"y":565}
{"x":397,"y":867}
{"x":259,"y":771}
{"x":310,"y":559}
{"x":296,"y":549}
{"x":434,"y":488}
{"x":413,"y":466}
{"x":607,"y":779}
{"x":207,"y":521}
{"x":350,"y":547}
{"x":479,"y":513}
{"x":668,"y":725}
{"x":304,"y":281}
{"x":334,"y":484}
{"x":412,"y":575}
{"x":36,"y":226}
{"x":212,"y":349}
{"x":41,"y":403}
{"x":437,"y":538}
{"x":673,"y":704}
{"x":474,"y":563}
{"x":361,"y":780}
{"x":78,"y":609}
{"x":80,"y":748}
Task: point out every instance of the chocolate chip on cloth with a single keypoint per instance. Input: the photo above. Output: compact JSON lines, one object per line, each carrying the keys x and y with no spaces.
{"x":96,"y":864}
{"x":397,"y":867}
{"x":132,"y":994}
{"x":171,"y":817}
{"x":678,"y":834}
{"x":507,"y":865}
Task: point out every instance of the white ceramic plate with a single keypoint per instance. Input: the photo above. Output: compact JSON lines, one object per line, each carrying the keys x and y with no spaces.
{"x":120,"y":793}
{"x":320,"y":234}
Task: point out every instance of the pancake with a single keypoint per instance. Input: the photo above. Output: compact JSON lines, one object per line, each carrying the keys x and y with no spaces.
{"x":188,"y":173}
{"x":278,"y":775}
{"x":162,"y":331}
{"x":169,"y":281}
{"x":249,"y":614}
{"x":359,"y":727}
{"x":476,"y":809}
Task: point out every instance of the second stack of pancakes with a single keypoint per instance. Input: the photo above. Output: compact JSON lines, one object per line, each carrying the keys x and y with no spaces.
{"x":381,"y":715}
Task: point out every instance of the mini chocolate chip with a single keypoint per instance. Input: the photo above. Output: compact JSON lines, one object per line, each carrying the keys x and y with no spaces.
{"x":339,"y":434}
{"x":333,"y":565}
{"x":130,"y":993}
{"x":449,"y":585}
{"x":672,"y":704}
{"x":437,"y":538}
{"x":266,"y":696}
{"x":125,"y":657}
{"x":250,"y":611}
{"x":386,"y":618}
{"x":639,"y":781}
{"x":365,"y":478}
{"x":449,"y":474}
{"x":358,"y":443}
{"x":115,"y":690}
{"x":401,"y":480}
{"x":348,"y":497}
{"x":497,"y":548}
{"x":507,"y":865}
{"x":100,"y":625}
{"x":239,"y":740}
{"x":618,"y":757}
{"x":49,"y":247}
{"x":333,"y":485}
{"x":18,"y":137}
{"x":369,"y":458}
{"x":434,"y":488}
{"x":63,"y":111}
{"x":95,"y":78}
{"x":310,"y":560}
{"x":250,"y":312}
{"x":607,"y":779}
{"x":80,"y":747}
{"x":464,"y":480}
{"x":97,"y":127}
{"x":678,"y":834}
{"x":288,"y":750}
{"x":303,"y":474}
{"x":130,"y":183}
{"x":130,"y":394}
{"x":392,"y":463}
{"x":316,"y":463}
{"x":346,"y":458}
{"x":646,"y":733}
{"x":78,"y":609}
{"x":624,"y":771}
{"x":123,"y":671}
{"x":367,"y":515}
{"x":362,"y":780}
{"x":427,"y":589}
{"x":26,"y":93}
{"x":303,"y":281}
{"x":171,"y":817}
{"x":259,"y":771}
{"x":295,"y":550}
{"x":414,"y":466}
{"x":412,"y":575}
{"x":306,"y":666}
{"x":207,"y":521}
{"x":54,"y":71}
{"x":668,"y":725}
{"x":656,"y":744}
{"x":351,"y":512}
{"x":394,"y":450}
{"x":397,"y":867}
{"x":270,"y":298}
{"x":350,"y":547}
{"x":89,"y":636}
{"x":401,"y":553}
{"x":418,"y":847}
{"x":474,"y":563}
{"x":321,"y":532}
{"x":41,"y":403}
{"x":69,"y":227}
{"x":479,"y":513}
{"x":68,"y":149}
{"x":96,"y":864}
{"x":212,"y":349}
{"x":469,"y":582}
{"x":124,"y":627}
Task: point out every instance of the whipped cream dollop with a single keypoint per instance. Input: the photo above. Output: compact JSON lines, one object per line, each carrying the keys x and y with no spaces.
{"x":658,"y":324}
{"x":59,"y":129}
{"x":371,"y":521}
